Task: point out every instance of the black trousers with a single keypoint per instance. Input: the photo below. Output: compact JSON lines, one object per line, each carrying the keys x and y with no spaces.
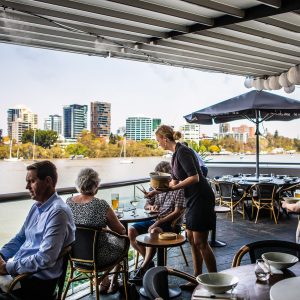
{"x":33,"y":289}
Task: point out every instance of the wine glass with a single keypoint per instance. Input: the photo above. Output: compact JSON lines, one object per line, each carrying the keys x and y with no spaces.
{"x":134,"y":202}
{"x":262,"y":270}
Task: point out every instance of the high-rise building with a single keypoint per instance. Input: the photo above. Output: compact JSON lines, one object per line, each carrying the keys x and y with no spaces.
{"x":138,"y":128}
{"x":75,"y":120}
{"x":190,"y":132}
{"x":224,"y":128}
{"x":155,"y":124}
{"x":18,"y":120}
{"x":53,"y":122}
{"x":101,"y":118}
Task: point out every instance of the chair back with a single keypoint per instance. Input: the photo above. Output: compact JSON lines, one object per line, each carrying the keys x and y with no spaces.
{"x":256,"y":249}
{"x":226,"y":190}
{"x":86,"y":244}
{"x":266,"y":191}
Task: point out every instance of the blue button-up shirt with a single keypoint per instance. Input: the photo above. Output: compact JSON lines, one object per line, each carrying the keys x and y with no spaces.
{"x":48,"y":228}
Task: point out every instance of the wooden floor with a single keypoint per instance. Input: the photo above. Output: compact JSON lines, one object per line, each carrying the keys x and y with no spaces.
{"x":235,"y":235}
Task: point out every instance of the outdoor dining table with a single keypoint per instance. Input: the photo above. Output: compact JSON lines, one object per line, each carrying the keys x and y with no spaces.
{"x":248,"y":287}
{"x":141,"y":215}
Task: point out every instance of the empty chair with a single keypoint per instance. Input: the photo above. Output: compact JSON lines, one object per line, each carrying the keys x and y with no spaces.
{"x":264,"y":197}
{"x":155,"y":281}
{"x":230,"y":195}
{"x":256,"y":249}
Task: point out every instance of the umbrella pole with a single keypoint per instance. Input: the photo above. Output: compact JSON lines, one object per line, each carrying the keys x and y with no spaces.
{"x":257,"y":143}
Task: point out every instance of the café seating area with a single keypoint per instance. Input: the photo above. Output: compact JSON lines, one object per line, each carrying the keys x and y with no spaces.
{"x":236,"y":235}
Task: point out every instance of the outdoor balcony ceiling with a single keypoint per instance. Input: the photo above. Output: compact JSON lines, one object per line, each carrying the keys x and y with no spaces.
{"x":248,"y":37}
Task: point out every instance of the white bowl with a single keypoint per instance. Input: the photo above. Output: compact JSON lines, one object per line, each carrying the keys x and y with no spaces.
{"x":280,"y":260}
{"x":217,"y":283}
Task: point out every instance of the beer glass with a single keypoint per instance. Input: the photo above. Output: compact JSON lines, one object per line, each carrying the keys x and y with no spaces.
{"x":115,"y":201}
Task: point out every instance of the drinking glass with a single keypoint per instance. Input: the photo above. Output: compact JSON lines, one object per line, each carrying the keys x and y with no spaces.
{"x":262,"y":270}
{"x":134,"y":203}
{"x":120,"y":210}
{"x":115,"y":201}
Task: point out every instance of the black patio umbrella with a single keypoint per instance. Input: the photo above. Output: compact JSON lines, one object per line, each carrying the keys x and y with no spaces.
{"x":256,"y":106}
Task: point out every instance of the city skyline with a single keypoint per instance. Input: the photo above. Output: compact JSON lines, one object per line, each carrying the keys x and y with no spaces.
{"x":46,"y":80}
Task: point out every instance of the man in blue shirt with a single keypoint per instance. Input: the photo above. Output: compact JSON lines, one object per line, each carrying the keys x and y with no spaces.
{"x":48,"y":228}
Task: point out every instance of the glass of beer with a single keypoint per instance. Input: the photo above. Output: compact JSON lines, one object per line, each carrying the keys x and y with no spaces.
{"x":115,"y":201}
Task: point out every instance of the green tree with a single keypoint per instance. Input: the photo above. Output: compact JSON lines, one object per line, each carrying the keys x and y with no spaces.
{"x":43,"y":138}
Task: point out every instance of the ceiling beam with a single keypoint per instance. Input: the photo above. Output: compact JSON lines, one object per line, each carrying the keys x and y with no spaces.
{"x":217,"y":6}
{"x":252,"y":13}
{"x":165,"y":10}
{"x":246,"y":42}
{"x":272,"y":3}
{"x":54,"y":12}
{"x":281,"y":24}
{"x":265,"y":35}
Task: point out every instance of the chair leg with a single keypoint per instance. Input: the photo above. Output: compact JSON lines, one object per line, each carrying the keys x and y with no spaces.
{"x":165,"y":256}
{"x":125,"y":278}
{"x":97,"y":286}
{"x":231,"y":209}
{"x":136,"y":261}
{"x":273,"y":211}
{"x":184,"y":257}
{"x":258,"y":209}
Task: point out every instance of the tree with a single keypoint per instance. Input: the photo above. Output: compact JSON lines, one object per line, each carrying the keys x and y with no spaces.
{"x":276,"y":135}
{"x":43,"y":138}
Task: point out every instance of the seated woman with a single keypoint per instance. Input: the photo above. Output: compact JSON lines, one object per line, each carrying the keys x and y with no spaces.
{"x":171,"y":206}
{"x":91,"y":211}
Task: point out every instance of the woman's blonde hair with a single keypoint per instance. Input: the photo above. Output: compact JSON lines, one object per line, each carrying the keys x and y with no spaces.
{"x":168,"y":132}
{"x":87,"y":181}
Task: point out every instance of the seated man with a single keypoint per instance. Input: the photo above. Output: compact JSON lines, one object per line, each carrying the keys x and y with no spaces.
{"x":48,"y":228}
{"x":170,"y":206}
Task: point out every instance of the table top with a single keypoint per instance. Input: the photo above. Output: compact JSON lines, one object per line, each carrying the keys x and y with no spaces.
{"x":142,"y":215}
{"x":152,"y":240}
{"x":221,"y":209}
{"x":255,"y":289}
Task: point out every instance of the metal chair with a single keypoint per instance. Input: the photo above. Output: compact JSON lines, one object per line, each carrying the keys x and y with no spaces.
{"x":84,"y":260}
{"x":155,"y":281}
{"x":264,"y":197}
{"x":256,"y":249}
{"x":60,"y":281}
{"x":230,"y":196}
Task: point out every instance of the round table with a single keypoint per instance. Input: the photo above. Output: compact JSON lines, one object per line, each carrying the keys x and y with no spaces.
{"x":141,"y":215}
{"x":248,"y":282}
{"x":152,"y":240}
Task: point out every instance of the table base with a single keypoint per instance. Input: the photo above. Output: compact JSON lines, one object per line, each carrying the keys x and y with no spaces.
{"x":173,"y":292}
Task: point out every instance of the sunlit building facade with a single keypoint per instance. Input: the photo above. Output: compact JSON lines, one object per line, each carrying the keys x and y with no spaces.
{"x":101,"y":118}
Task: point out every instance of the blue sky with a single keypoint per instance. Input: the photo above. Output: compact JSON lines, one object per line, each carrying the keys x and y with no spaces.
{"x":45,"y":80}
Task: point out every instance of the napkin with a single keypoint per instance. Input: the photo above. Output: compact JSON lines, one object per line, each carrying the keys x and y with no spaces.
{"x":5,"y":281}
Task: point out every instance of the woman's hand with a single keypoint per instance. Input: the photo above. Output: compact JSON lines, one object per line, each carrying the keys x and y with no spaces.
{"x":152,"y":193}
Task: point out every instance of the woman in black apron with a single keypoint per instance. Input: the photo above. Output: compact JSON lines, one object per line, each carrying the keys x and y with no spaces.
{"x":200,"y":199}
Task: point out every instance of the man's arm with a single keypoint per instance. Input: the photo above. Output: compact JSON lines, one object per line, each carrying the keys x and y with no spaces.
{"x":50,"y":247}
{"x":13,"y":246}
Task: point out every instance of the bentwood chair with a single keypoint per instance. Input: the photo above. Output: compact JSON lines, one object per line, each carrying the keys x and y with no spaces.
{"x":84,"y":259}
{"x":60,"y":281}
{"x":264,"y":197}
{"x":256,"y":249}
{"x":230,"y":196}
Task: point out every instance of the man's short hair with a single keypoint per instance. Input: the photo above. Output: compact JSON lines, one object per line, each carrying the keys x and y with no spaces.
{"x":43,"y":169}
{"x":185,"y":144}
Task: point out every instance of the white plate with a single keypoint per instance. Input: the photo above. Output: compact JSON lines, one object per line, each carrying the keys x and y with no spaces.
{"x":287,"y":289}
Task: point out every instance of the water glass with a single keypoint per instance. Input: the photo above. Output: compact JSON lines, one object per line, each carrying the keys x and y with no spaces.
{"x":115,"y":201}
{"x":262,"y":270}
{"x":120,"y":210}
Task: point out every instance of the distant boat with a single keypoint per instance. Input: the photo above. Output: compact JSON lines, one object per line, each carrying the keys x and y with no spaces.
{"x":12,"y":159}
{"x":79,"y":156}
{"x":168,"y":155}
{"x":124,"y":159}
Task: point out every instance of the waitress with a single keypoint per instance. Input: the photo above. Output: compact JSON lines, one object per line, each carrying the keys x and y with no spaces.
{"x":200,"y":199}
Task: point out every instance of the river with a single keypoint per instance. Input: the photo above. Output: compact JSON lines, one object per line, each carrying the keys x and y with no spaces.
{"x":12,"y":179}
